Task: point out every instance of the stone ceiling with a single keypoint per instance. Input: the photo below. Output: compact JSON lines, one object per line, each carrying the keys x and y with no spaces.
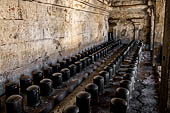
{"x":115,"y":3}
{"x":129,"y":9}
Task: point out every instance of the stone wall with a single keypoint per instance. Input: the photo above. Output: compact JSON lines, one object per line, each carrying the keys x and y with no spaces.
{"x":159,"y":29}
{"x":165,"y":74}
{"x":131,"y":18}
{"x":124,"y":30}
{"x":35,"y":32}
{"x":159,"y":22}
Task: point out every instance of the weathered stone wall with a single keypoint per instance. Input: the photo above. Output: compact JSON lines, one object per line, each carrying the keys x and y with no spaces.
{"x":159,"y":21}
{"x":124,"y":30}
{"x":165,"y":75}
{"x":34,"y":32}
{"x":131,"y":18}
{"x":159,"y":29}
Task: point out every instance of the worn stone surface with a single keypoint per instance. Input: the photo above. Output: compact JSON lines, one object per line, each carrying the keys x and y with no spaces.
{"x":159,"y":30}
{"x":141,"y":19}
{"x":40,"y":31}
{"x":131,"y":19}
{"x":97,"y":67}
{"x":160,"y":16}
{"x":127,"y":2}
{"x":35,"y":32}
{"x":145,"y":96}
{"x":165,"y":81}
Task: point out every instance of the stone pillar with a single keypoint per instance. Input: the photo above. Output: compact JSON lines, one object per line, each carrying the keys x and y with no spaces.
{"x":165,"y":78}
{"x":136,"y":31}
{"x":152,"y":30}
{"x":117,"y":34}
{"x":114,"y":34}
{"x":110,"y":36}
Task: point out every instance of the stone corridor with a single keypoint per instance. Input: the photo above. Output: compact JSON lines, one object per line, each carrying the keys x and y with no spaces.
{"x":52,"y":50}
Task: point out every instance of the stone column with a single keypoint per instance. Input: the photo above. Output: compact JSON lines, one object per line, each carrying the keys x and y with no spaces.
{"x":152,"y":29}
{"x":165,"y":78}
{"x":116,"y":33}
{"x":136,"y":31}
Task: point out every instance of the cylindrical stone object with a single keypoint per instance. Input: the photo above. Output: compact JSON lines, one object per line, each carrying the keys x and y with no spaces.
{"x":71,"y":109}
{"x":113,"y":66}
{"x":118,"y":105}
{"x":84,"y":63}
{"x":78,"y":56}
{"x":88,"y":61}
{"x":90,"y":51}
{"x":93,"y":90}
{"x":94,"y":49}
{"x":99,"y":54}
{"x":57,"y":80}
{"x":56,"y":67}
{"x":65,"y":74}
{"x":105,"y":74}
{"x":105,"y":51}
{"x":47,"y":72}
{"x":74,"y":59}
{"x":63,"y":64}
{"x":14,"y":104}
{"x":128,"y":85}
{"x":95,"y":56}
{"x":102,"y":53}
{"x":79,"y":66}
{"x":131,"y":78}
{"x":83,"y":102}
{"x":132,"y":71}
{"x":99,"y":81}
{"x":33,"y":95}
{"x":92,"y":58}
{"x":123,"y":93}
{"x":37,"y":77}
{"x":73,"y":70}
{"x":110,"y":70}
{"x":46,"y":87}
{"x":82,"y":55}
{"x":11,"y":89}
{"x":86,"y":53}
{"x":25,"y":82}
{"x":128,"y":76}
{"x":68,"y":61}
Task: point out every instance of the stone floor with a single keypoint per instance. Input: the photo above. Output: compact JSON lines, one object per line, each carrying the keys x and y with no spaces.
{"x":145,"y":95}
